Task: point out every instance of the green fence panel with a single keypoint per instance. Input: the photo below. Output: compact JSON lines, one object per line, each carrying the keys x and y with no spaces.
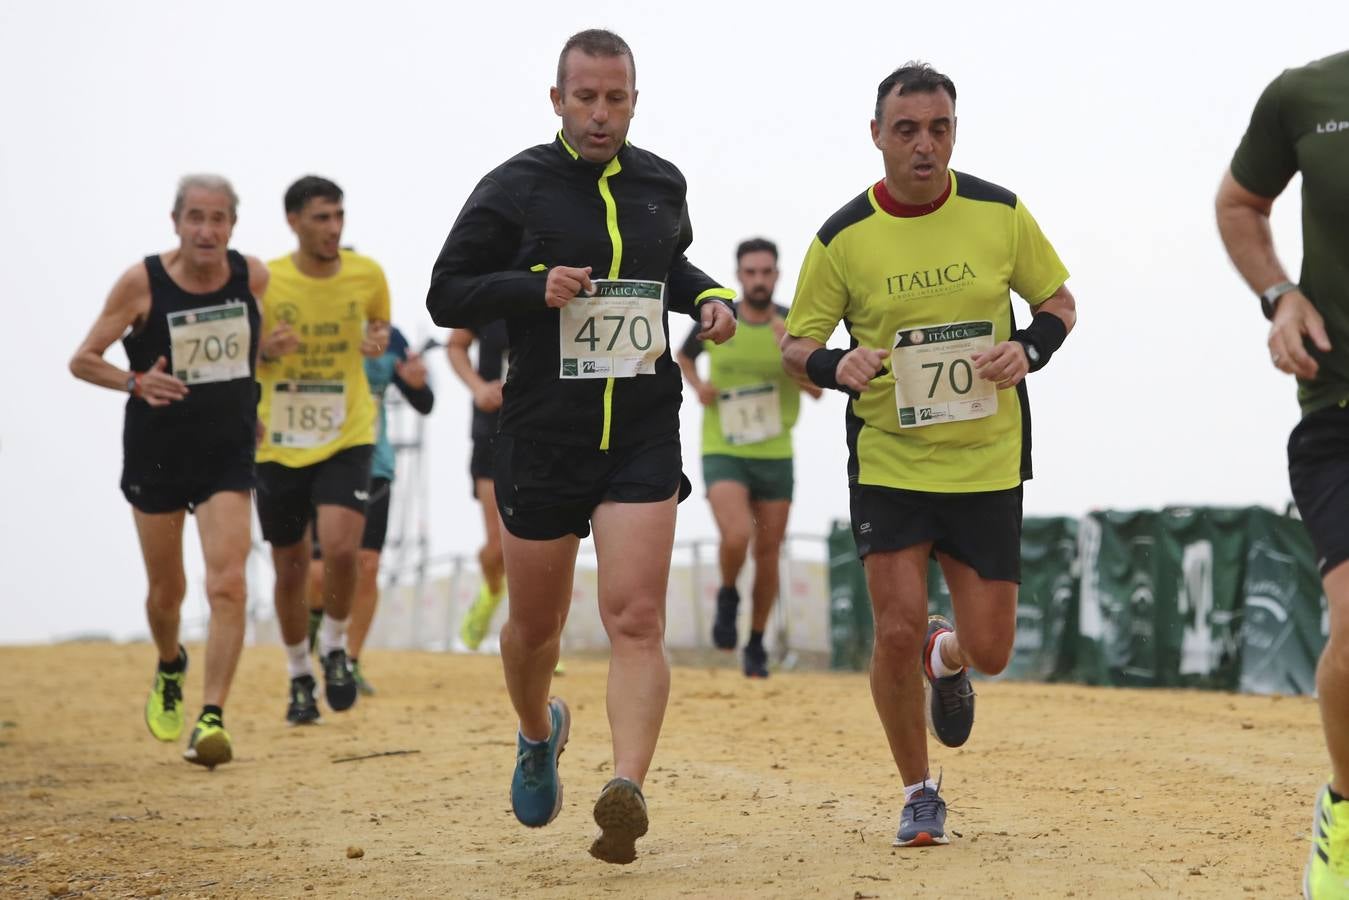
{"x":1160,"y":597}
{"x":849,"y":603}
{"x":1199,"y":625}
{"x":1117,"y":599}
{"x":1046,"y":612}
{"x":1285,"y":620}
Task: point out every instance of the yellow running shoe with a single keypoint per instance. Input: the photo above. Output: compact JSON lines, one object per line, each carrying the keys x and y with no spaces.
{"x":1327,"y":875}
{"x":164,"y":707}
{"x":210,"y":742}
{"x":479,"y":617}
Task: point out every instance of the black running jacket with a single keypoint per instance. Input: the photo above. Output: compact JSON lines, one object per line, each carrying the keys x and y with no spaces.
{"x":549,"y":207}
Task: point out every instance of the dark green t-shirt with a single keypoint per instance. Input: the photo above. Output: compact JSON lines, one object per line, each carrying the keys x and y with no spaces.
{"x":1301,"y":124}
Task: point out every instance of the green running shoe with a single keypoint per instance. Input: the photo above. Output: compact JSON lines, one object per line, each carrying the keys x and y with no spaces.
{"x":479,"y":617}
{"x":209,"y":745}
{"x":1327,"y":874}
{"x":363,"y":687}
{"x":164,"y":707}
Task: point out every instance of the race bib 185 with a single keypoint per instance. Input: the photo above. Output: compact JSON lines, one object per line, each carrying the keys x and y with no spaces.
{"x":307,"y":413}
{"x":210,"y":344}
{"x":934,"y":375}
{"x":617,"y":333}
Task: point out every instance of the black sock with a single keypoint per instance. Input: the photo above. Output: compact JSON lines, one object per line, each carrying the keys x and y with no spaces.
{"x":1334,"y":797}
{"x":755,"y":640}
{"x":316,"y":613}
{"x":218,"y":710}
{"x":177,"y":666}
{"x":353,"y":660}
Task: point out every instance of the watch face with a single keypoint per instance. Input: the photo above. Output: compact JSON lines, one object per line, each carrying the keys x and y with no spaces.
{"x":1032,"y":354}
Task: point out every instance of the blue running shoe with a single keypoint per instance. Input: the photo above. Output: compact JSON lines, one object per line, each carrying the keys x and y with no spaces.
{"x":536,"y":789}
{"x":950,"y":701}
{"x":923,"y":821}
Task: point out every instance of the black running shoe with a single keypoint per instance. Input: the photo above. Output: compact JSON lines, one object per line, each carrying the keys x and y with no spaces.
{"x":303,"y":708}
{"x":339,"y":685}
{"x":950,"y":702}
{"x":756,"y":661}
{"x":723,"y":627}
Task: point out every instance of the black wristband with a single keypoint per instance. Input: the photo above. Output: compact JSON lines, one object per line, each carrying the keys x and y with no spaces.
{"x":1041,"y":338}
{"x":822,"y":368}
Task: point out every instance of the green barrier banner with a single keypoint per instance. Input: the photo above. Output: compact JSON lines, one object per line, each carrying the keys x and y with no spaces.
{"x":1186,"y":597}
{"x":849,"y":603}
{"x":1286,"y":622}
{"x":1161,"y":597}
{"x":1046,"y":611}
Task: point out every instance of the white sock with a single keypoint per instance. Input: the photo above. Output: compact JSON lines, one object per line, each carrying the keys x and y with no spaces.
{"x":939,"y":666}
{"x":911,"y":789}
{"x":297,"y":659}
{"x":332,"y":635}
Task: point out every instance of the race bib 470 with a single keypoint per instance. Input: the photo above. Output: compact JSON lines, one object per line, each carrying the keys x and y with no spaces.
{"x":616,"y":333}
{"x":934,"y":374}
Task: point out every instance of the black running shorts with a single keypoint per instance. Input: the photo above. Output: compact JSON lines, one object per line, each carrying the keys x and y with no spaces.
{"x":154,"y":492}
{"x":480,"y":463}
{"x":1318,"y":471}
{"x":287,"y":496}
{"x":546,"y":491}
{"x":981,"y":529}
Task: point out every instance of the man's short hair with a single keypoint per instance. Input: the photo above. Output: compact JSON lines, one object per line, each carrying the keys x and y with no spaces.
{"x":756,"y":245}
{"x":595,"y":42}
{"x":217,"y":184}
{"x":308,"y":188}
{"x":914,"y":77}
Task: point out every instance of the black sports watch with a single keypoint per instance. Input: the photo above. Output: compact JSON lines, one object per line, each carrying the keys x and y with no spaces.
{"x":1270,"y":296}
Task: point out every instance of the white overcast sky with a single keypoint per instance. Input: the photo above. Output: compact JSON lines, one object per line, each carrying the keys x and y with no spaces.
{"x":1113,"y":123}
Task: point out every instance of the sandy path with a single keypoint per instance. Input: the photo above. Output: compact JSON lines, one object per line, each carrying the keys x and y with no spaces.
{"x":780,"y":788}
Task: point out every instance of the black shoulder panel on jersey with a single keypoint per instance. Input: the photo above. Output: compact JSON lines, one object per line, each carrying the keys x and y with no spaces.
{"x":972,"y":188}
{"x":857,"y":209}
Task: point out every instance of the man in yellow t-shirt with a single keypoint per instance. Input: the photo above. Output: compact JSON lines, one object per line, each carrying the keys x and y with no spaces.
{"x":920,"y":267}
{"x":324,"y":311}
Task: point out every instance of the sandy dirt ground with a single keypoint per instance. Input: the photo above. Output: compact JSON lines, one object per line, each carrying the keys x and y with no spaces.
{"x":777,"y":788}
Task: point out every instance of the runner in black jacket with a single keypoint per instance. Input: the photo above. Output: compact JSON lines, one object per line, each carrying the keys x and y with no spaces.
{"x":579,"y":245}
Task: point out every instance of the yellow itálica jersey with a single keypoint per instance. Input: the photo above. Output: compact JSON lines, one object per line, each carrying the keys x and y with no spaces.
{"x":939,"y":283}
{"x":316,"y":401}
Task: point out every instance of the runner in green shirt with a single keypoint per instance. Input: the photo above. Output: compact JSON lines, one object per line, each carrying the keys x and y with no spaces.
{"x":1301,"y":124}
{"x":750,"y":405}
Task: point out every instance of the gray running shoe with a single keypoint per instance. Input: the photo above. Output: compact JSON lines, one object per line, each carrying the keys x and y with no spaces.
{"x":923,"y":821}
{"x":950,"y":700}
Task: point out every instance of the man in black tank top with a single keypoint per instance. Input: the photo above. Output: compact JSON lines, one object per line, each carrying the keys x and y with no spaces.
{"x":188,"y":319}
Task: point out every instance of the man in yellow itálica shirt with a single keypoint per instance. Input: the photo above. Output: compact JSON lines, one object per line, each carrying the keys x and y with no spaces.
{"x":325,"y":310}
{"x":921,"y":267}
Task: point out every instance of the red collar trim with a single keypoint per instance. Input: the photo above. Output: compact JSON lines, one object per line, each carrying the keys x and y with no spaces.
{"x":886,"y":201}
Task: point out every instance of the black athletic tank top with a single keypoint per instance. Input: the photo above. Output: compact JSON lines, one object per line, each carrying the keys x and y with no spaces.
{"x":493,"y":345}
{"x":218,"y":416}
